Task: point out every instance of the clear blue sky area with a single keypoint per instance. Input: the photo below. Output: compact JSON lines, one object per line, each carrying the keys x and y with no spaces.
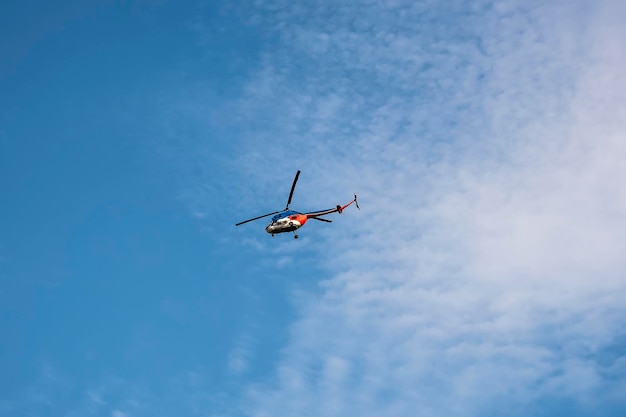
{"x":104,"y":272}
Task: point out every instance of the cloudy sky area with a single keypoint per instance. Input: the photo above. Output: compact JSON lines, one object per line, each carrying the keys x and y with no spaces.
{"x":483,"y":275}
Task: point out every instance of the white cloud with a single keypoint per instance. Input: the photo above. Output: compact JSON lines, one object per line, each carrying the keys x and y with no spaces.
{"x":486,"y":269}
{"x":240,"y":355}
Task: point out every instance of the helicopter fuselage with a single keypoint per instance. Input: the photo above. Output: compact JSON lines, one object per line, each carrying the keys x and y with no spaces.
{"x":286,"y":222}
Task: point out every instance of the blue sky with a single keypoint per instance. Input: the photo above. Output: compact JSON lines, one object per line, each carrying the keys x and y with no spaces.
{"x":484,"y":274}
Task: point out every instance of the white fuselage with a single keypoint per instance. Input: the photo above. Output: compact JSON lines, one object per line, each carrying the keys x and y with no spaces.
{"x":283,"y":225}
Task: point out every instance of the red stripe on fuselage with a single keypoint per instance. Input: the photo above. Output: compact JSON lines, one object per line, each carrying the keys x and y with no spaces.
{"x":301,"y":218}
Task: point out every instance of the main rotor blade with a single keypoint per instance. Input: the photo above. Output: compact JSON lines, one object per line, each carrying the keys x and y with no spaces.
{"x":321,"y":219}
{"x":257,"y":218}
{"x":293,"y":187}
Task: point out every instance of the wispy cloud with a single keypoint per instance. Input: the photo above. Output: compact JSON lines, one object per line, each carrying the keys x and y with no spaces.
{"x":240,"y":355}
{"x":485,"y":271}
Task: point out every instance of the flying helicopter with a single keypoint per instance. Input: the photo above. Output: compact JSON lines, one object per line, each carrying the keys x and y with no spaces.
{"x":290,"y":220}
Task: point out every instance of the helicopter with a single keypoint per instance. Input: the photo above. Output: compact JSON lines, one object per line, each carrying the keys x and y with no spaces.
{"x":287,"y":220}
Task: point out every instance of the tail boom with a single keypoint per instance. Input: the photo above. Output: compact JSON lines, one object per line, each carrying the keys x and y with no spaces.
{"x":338,"y":209}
